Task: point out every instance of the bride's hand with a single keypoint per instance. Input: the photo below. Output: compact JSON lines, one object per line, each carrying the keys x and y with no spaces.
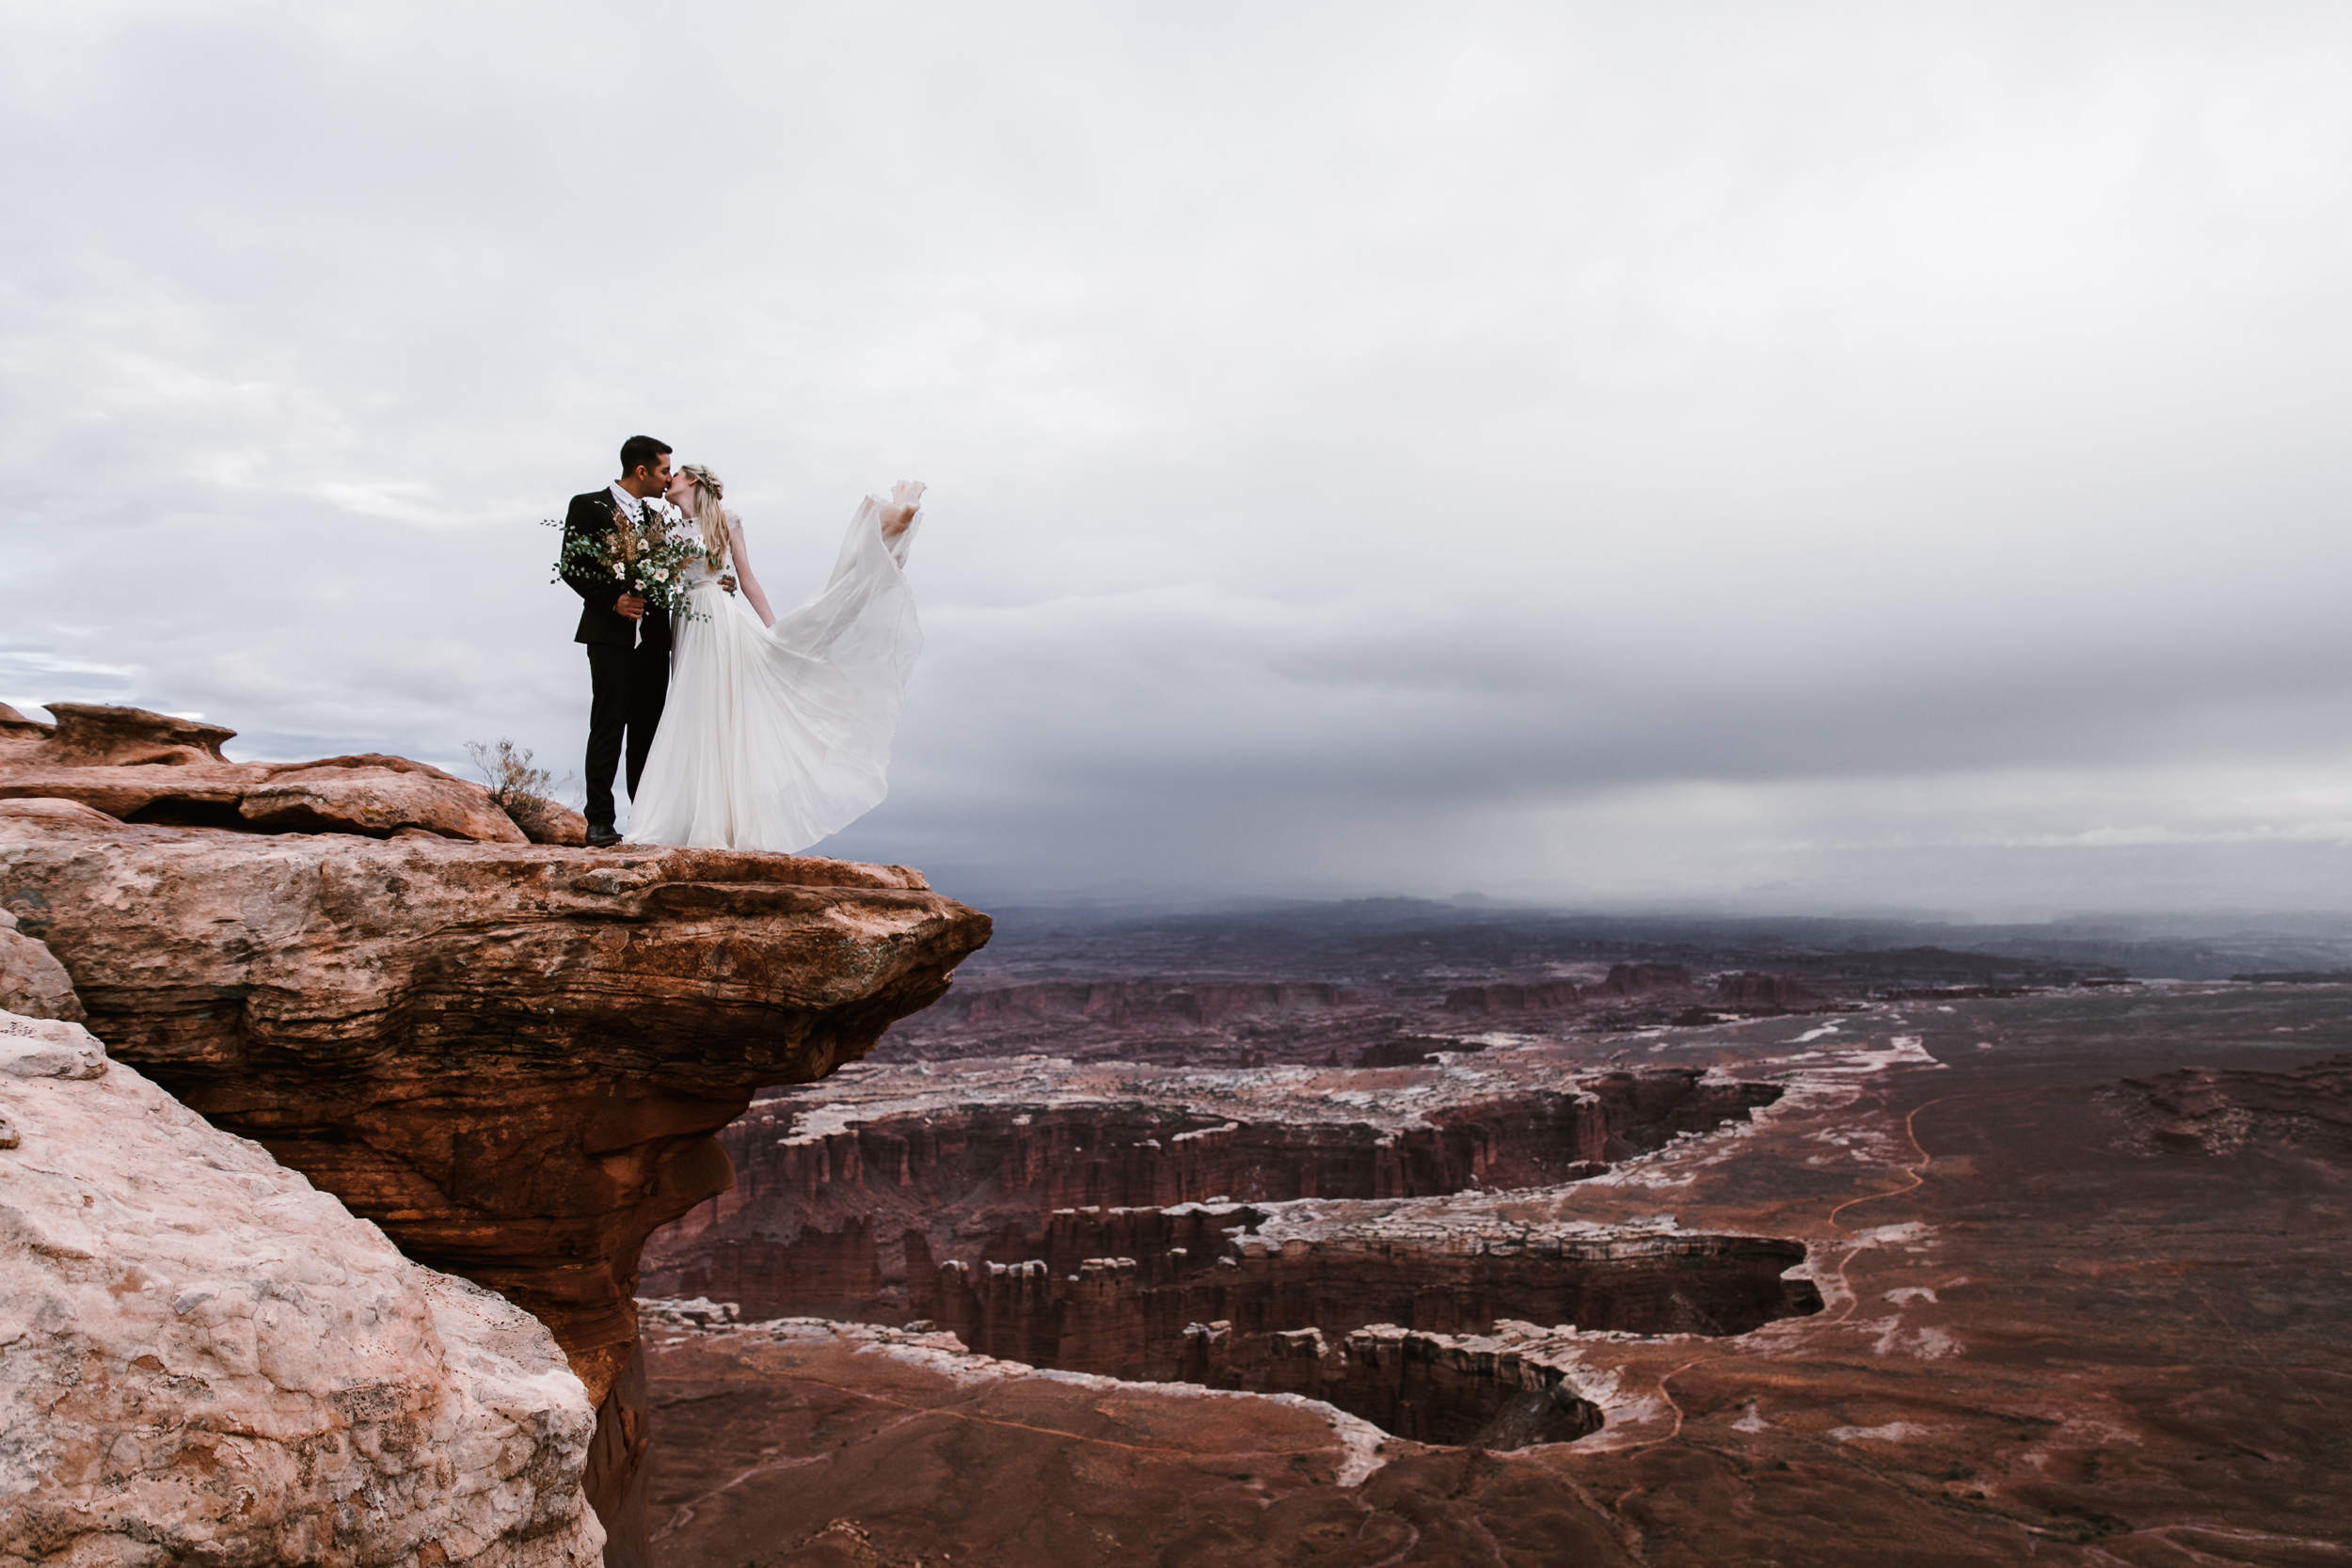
{"x":906,"y":499}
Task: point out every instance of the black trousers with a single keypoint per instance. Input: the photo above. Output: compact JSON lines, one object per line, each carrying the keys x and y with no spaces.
{"x":627,"y":687}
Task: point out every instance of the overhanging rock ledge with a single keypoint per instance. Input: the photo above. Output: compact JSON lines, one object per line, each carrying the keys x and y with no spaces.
{"x":511,"y":1056}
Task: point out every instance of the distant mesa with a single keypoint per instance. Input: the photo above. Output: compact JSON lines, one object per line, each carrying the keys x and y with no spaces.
{"x":2293,"y":977}
{"x":1953,"y":993}
{"x":1636,"y":979}
{"x":1753,"y":990}
{"x":1512,"y":998}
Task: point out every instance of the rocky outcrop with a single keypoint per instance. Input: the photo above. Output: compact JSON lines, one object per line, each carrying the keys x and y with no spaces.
{"x":32,"y":982}
{"x":204,"y":1360}
{"x":142,"y":767}
{"x":545,"y":822}
{"x":510,"y":1056}
{"x":2306,"y":1109}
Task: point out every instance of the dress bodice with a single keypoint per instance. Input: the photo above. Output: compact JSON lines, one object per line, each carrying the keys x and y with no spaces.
{"x":701,"y":571}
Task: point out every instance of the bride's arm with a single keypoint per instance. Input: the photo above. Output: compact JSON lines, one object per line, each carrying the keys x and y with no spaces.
{"x":752,"y":594}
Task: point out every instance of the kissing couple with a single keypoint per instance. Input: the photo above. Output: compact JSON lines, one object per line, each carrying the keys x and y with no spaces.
{"x":742,"y":732}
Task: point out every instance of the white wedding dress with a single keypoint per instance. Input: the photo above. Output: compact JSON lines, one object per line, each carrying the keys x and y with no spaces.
{"x":774,"y":737}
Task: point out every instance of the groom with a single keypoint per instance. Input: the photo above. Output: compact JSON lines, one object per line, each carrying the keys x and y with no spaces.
{"x":629,"y":640}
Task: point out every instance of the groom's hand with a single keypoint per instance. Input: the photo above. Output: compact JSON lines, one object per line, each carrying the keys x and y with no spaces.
{"x":630,"y":606}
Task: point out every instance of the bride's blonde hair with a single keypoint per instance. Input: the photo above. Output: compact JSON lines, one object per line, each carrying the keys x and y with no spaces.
{"x":707,"y":514}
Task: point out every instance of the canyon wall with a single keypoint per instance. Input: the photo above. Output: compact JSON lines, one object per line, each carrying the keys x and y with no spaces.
{"x":1134,"y":1315}
{"x":1237,"y":1230}
{"x":817,"y":1221}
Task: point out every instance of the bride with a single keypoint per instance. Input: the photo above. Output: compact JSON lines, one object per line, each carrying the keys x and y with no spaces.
{"x":777,"y":731}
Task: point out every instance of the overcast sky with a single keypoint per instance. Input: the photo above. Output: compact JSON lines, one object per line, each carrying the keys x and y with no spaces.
{"x":1795,"y":456}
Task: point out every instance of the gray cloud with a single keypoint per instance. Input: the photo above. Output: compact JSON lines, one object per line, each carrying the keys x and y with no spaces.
{"x":1590,"y":453}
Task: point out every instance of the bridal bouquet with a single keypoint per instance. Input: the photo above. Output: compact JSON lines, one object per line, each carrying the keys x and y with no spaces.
{"x":643,"y":557}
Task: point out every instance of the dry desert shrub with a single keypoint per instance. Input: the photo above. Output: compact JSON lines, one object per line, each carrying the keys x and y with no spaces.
{"x":525,"y":792}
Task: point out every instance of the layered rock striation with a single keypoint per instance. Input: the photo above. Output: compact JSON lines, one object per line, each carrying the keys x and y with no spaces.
{"x":1001,"y":1163}
{"x":140,"y":766}
{"x":1222,"y":1313}
{"x":203,"y":1358}
{"x":1261,"y":1231}
{"x":2224,"y":1111}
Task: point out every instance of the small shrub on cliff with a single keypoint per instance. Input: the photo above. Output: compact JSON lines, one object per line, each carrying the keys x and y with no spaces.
{"x":521,"y":788}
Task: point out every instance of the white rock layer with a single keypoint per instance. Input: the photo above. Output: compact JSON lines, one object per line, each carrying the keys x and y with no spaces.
{"x":202,"y":1358}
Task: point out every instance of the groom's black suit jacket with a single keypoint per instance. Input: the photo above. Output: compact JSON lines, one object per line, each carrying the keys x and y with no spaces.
{"x":600,"y":623}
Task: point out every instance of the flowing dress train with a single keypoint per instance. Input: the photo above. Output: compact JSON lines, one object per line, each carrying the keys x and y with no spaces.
{"x":776,"y":737}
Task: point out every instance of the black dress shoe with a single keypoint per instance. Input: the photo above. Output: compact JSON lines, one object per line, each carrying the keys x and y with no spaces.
{"x":601,"y":836}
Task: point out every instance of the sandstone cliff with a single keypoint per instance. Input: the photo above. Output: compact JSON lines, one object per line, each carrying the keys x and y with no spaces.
{"x":32,"y":982}
{"x":203,"y":1358}
{"x":142,"y":767}
{"x":511,"y":1056}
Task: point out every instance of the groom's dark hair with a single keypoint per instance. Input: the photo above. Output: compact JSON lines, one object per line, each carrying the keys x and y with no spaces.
{"x":639,"y":452}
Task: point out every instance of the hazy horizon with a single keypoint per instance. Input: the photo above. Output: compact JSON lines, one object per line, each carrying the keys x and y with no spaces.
{"x":1815,"y":459}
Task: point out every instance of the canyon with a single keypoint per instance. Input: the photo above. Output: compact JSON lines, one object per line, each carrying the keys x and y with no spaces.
{"x":1940,"y":1267}
{"x":388,"y":1178}
{"x":1115,"y":1221}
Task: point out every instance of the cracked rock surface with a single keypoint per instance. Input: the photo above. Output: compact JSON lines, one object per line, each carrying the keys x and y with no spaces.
{"x":203,"y":1358}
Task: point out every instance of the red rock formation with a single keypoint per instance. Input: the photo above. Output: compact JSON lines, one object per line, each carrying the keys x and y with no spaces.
{"x":817,"y":1221}
{"x":1750,"y":989}
{"x":1512,"y":998}
{"x":33,"y":982}
{"x":151,"y":767}
{"x":2210,"y":1111}
{"x":512,"y":1057}
{"x":1131,"y":1316}
{"x":2067,"y":1324}
{"x":1633,"y":979}
{"x":204,"y":1360}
